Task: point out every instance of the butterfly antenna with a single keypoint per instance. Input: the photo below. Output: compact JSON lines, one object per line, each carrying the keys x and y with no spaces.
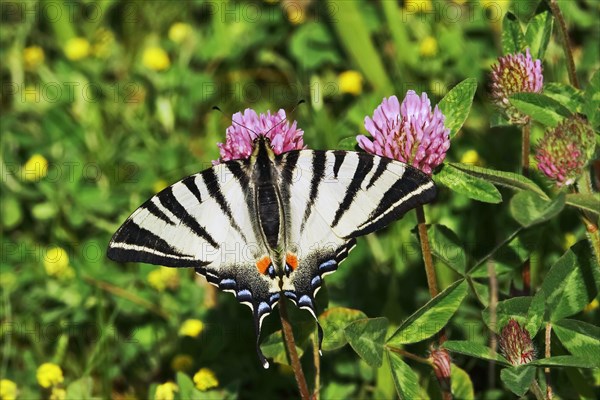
{"x":234,"y":122}
{"x":285,"y":119}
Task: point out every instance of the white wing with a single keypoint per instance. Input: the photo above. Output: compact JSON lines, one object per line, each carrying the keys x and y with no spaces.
{"x":204,"y":221}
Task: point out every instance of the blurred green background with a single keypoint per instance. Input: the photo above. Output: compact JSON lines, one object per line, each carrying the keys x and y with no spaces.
{"x":104,"y":103}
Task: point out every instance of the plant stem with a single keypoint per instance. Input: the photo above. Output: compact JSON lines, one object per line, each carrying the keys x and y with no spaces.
{"x":290,"y":344}
{"x":493,"y":320}
{"x":537,"y":390}
{"x":426,"y":250}
{"x":431,"y":278}
{"x":547,"y":355}
{"x":410,"y":355}
{"x":525,"y":146}
{"x":566,"y":42}
{"x":317,"y":361}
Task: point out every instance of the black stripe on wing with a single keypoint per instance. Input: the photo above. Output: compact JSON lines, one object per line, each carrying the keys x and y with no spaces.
{"x":214,"y":190}
{"x":318,"y":164}
{"x":365,"y":164}
{"x":413,"y":189}
{"x":134,"y":244}
{"x":170,"y":202}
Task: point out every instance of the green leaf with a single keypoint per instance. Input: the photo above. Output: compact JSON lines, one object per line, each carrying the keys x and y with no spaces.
{"x":11,"y":214}
{"x":518,"y":379}
{"x":312,"y":46}
{"x":501,"y":178}
{"x":514,"y":308}
{"x":187,"y":389}
{"x":456,"y":104}
{"x":81,"y":389}
{"x":462,"y":387}
{"x":539,"y":31}
{"x":541,"y":108}
{"x":334,"y":321}
{"x":474,"y":349}
{"x":513,"y":39}
{"x":524,"y":9}
{"x":405,"y":379}
{"x":536,"y":313}
{"x":353,"y":34}
{"x":348,"y":143}
{"x":592,"y":100}
{"x":446,"y":246}
{"x":566,"y":361}
{"x":572,"y":282}
{"x":580,"y":338}
{"x":585,"y":202}
{"x":468,"y":185}
{"x":529,"y":209}
{"x":433,"y":316}
{"x":566,"y":95}
{"x":366,"y":336}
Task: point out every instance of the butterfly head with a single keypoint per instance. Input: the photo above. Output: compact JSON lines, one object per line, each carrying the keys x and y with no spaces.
{"x":262,"y":148}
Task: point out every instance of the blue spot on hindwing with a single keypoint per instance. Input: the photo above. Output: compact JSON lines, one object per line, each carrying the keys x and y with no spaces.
{"x":328,"y":266}
{"x":305,"y":301}
{"x":263,"y":308}
{"x":274,"y":297}
{"x":316,"y":281}
{"x":244,"y":295}
{"x":227,"y":283}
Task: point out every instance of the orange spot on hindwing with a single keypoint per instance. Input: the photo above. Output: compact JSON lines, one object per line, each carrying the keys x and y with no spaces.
{"x":263,"y":264}
{"x":291,"y":260}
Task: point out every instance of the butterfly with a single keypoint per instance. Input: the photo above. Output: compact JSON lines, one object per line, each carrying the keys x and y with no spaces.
{"x":271,"y":225}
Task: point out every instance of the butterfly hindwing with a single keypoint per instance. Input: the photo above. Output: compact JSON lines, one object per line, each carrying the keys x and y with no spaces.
{"x":205,"y":221}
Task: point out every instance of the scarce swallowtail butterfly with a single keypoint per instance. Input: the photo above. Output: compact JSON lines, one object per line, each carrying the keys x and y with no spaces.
{"x":271,"y":225}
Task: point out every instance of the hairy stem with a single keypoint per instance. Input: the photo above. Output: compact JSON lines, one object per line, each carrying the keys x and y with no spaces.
{"x":409,"y":355}
{"x":290,"y":344}
{"x":547,"y":355}
{"x":426,"y":250}
{"x":493,"y":320}
{"x":317,"y":361}
{"x":525,"y":146}
{"x":566,"y":42}
{"x":537,"y":390}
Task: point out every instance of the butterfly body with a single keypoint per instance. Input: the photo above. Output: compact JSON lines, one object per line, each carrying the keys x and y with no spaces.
{"x":271,"y":225}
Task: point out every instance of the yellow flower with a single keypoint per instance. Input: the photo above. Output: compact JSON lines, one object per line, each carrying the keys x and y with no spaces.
{"x":58,"y":394}
{"x":156,"y":58}
{"x":179,"y":32}
{"x":8,"y":390}
{"x":428,"y":47}
{"x":166,"y":391}
{"x":164,"y":278}
{"x":56,"y":263}
{"x":159,"y":185}
{"x":77,"y":48}
{"x":205,"y":379}
{"x":33,"y":56}
{"x":296,"y":13}
{"x":350,"y":82}
{"x":470,"y":157}
{"x":592,"y":306}
{"x":49,"y":374}
{"x":35,"y":168}
{"x":415,"y":6}
{"x":191,"y":327}
{"x":182,"y":362}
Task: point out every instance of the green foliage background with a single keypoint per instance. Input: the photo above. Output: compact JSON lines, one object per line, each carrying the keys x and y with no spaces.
{"x":114,"y":130}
